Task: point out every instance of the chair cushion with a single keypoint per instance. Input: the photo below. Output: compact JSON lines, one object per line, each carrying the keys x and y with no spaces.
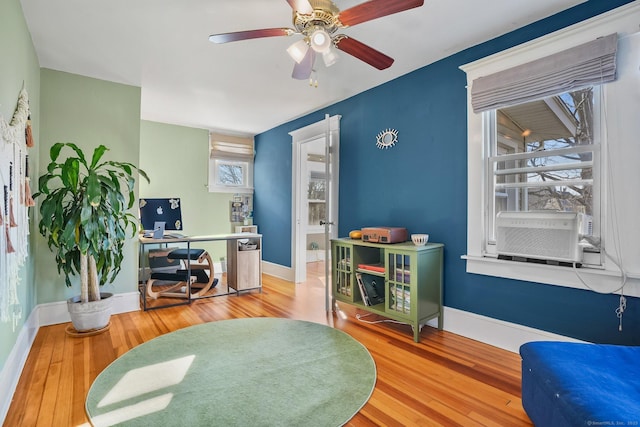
{"x":159,"y":261}
{"x":170,"y":277}
{"x":201,"y":275}
{"x":184,"y":253}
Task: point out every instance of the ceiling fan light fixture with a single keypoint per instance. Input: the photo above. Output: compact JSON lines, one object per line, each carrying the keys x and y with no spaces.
{"x":298,"y":50}
{"x":320,"y":40}
{"x":317,"y":22}
{"x":330,"y":57}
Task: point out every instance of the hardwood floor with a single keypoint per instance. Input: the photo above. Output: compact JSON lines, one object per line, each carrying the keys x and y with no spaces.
{"x":445,"y":379}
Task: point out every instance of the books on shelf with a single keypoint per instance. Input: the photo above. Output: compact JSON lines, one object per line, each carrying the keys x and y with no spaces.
{"x":372,"y":267}
{"x":363,"y":292}
{"x":401,"y":299}
{"x":403,"y":275}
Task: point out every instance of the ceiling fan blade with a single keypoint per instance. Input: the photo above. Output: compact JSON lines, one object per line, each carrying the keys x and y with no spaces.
{"x":251,"y":34}
{"x":373,"y":9}
{"x":302,"y":71}
{"x":303,"y":7}
{"x":363,"y":52}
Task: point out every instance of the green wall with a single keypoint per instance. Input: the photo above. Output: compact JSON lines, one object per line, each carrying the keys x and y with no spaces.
{"x":87,"y":112}
{"x":19,"y":65}
{"x":176,"y":160}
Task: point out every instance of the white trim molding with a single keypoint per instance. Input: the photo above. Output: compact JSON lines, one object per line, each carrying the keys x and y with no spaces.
{"x":505,"y":335}
{"x":56,"y":312}
{"x":12,"y":369}
{"x":327,"y":131}
{"x":277,"y":270}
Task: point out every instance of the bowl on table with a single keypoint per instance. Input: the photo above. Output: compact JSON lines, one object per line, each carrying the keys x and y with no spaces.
{"x":419,"y":239}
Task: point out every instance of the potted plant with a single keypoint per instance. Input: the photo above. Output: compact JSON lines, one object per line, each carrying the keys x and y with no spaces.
{"x":84,"y":217}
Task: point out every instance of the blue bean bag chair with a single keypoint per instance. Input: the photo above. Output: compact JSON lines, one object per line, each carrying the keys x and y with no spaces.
{"x":578,"y":384}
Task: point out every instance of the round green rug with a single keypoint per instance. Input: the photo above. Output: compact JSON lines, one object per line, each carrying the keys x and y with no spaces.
{"x":241,"y":372}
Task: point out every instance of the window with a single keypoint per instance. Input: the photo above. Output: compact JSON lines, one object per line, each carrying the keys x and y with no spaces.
{"x":545,"y":155}
{"x":230,"y":164}
{"x":587,"y":170}
{"x":229,"y":173}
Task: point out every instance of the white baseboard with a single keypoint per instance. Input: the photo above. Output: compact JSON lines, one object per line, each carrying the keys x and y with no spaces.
{"x":315,"y":255}
{"x":498,"y":333}
{"x":56,"y":312}
{"x":277,"y":270}
{"x":12,"y":369}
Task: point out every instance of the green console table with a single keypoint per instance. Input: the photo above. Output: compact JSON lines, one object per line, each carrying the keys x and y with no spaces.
{"x":408,"y":276}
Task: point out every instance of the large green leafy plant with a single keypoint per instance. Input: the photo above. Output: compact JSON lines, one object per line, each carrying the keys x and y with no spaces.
{"x":84,"y":215}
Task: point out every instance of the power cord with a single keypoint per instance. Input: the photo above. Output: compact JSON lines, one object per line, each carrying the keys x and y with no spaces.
{"x":623,"y":277}
{"x":361,"y":317}
{"x":620,"y":311}
{"x":622,"y":305}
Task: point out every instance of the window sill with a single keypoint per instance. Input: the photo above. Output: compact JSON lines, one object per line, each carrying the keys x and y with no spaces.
{"x":222,"y":189}
{"x":598,"y":280}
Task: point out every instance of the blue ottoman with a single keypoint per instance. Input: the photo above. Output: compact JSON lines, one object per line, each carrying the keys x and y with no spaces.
{"x":575,"y":384}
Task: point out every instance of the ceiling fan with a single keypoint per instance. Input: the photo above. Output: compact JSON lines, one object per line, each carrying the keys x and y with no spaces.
{"x":318,"y":21}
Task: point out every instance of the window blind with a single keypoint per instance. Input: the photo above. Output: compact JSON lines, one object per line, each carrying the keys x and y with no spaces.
{"x":231,"y":147}
{"x":590,"y":63}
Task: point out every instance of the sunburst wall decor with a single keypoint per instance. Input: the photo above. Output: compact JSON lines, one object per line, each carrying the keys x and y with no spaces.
{"x":387,"y":138}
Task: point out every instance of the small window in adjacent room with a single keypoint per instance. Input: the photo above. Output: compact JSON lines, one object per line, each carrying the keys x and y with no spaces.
{"x":230,"y":173}
{"x":231,"y":164}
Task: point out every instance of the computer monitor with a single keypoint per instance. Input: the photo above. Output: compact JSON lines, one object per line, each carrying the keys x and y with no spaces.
{"x":161,"y":210}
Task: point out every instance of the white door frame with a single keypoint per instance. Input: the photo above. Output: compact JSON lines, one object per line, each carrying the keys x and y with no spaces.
{"x":298,"y":226}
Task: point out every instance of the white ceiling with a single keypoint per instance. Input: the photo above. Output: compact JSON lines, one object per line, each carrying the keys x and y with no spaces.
{"x":246,"y":87}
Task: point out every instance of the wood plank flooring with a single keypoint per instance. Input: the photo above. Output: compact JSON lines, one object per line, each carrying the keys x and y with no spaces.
{"x":445,"y":380}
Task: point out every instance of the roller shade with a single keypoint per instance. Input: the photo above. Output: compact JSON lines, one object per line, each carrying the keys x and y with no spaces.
{"x":231,"y":147}
{"x":587,"y":64}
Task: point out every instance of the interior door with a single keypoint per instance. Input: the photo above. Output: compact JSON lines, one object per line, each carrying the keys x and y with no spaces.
{"x":330,"y":220}
{"x":316,"y":155}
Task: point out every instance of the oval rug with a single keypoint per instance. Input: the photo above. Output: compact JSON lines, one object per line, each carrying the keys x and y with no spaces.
{"x":240,"y":372}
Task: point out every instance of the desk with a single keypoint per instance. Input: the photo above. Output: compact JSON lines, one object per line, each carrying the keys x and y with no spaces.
{"x":244,"y":267}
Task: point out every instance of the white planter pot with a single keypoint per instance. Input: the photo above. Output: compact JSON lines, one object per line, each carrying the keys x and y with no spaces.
{"x":91,"y":315}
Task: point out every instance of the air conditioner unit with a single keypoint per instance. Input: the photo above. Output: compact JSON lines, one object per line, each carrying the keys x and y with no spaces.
{"x":540,"y":235}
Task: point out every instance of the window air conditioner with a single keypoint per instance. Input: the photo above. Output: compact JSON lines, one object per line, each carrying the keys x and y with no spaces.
{"x":545,"y":235}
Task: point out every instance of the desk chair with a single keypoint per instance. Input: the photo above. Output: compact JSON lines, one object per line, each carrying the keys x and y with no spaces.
{"x":170,"y":279}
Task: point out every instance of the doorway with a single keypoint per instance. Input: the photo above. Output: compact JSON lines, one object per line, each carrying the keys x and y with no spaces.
{"x":316,"y":151}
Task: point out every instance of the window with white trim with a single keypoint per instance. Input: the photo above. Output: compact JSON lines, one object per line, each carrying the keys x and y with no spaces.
{"x":614,"y":156}
{"x":545,"y":155}
{"x":541,"y":140}
{"x":230,"y":164}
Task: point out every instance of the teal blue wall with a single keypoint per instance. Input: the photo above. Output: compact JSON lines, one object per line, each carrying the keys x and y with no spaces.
{"x":422,"y":184}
